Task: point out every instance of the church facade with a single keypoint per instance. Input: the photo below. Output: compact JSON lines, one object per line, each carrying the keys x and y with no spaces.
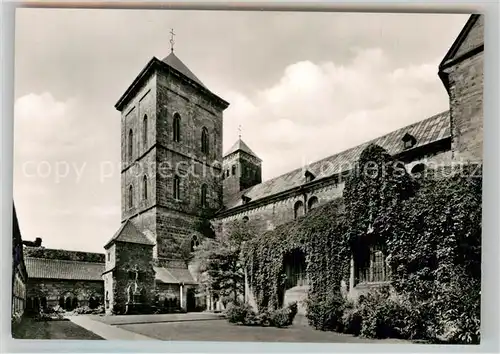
{"x":175,"y":179}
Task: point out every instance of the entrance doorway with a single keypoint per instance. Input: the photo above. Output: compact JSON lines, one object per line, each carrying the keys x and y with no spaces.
{"x":190,"y":300}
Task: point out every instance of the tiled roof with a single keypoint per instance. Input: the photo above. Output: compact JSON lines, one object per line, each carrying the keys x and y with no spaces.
{"x":183,"y":275}
{"x":178,"y":65}
{"x":174,"y":275}
{"x":240,"y":145}
{"x":426,"y":131}
{"x":129,"y":233}
{"x":41,"y":268}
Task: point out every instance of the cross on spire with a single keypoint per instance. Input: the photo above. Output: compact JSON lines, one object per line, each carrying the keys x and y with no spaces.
{"x":239,"y":131}
{"x":172,"y":34}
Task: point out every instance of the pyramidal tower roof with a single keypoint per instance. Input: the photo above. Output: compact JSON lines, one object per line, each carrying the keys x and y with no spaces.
{"x":130,"y":234}
{"x":240,"y":146}
{"x":174,"y":62}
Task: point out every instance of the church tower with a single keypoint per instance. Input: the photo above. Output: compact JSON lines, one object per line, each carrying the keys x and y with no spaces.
{"x":242,"y":169}
{"x":171,"y":152}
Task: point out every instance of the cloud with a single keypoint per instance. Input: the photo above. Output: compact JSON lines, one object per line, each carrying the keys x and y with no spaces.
{"x":318,"y":109}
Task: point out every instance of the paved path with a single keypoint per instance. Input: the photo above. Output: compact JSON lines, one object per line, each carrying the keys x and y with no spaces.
{"x":106,"y":331}
{"x":171,"y":317}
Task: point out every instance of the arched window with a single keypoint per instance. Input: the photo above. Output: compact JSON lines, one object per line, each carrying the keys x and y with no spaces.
{"x":372,"y":267}
{"x":418,"y":170}
{"x":204,"y":192}
{"x":145,"y":187}
{"x":298,"y":209}
{"x":145,"y":131}
{"x":195,"y":242}
{"x":130,"y":144}
{"x":204,"y":140}
{"x":177,"y":187}
{"x":233,"y":170}
{"x":312,"y":203}
{"x":177,"y":128}
{"x":130,"y":197}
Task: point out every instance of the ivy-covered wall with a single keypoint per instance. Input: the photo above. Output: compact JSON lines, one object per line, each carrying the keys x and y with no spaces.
{"x":428,"y":225}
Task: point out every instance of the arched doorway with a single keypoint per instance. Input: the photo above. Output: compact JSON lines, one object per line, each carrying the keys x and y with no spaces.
{"x":94,"y":301}
{"x":294,"y":269}
{"x":68,"y":301}
{"x":190,"y":300}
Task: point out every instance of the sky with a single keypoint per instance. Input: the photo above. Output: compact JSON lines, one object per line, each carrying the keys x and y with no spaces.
{"x":302,"y":86}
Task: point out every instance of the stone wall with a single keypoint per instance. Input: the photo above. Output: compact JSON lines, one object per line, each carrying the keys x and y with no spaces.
{"x":267,"y":216}
{"x":54,"y":289}
{"x":128,"y":256}
{"x":465,"y":80}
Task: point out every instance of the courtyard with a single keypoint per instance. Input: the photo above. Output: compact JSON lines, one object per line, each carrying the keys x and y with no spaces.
{"x":205,"y":327}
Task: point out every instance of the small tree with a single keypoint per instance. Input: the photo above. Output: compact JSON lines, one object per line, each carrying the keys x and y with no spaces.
{"x":219,"y":261}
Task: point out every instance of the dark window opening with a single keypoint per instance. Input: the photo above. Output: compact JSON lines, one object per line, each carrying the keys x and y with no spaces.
{"x":204,"y":192}
{"x":145,"y":187}
{"x":409,"y":141}
{"x":233,"y":170}
{"x":371,"y":265}
{"x":298,"y":209}
{"x":418,"y":170}
{"x":145,"y":131}
{"x":130,"y":197}
{"x":177,"y":188}
{"x":204,"y":141}
{"x":194,"y":243}
{"x":177,"y":128}
{"x":312,"y":203}
{"x":130,"y":144}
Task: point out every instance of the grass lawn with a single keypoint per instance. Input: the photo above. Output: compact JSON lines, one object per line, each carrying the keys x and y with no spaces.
{"x":221,"y":330}
{"x":64,"y":329}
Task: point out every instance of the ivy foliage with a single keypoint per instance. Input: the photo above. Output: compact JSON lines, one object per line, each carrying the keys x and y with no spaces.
{"x":319,"y":236}
{"x":429,"y":226}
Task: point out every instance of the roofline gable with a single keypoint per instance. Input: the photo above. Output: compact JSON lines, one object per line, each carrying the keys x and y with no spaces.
{"x":459,"y":40}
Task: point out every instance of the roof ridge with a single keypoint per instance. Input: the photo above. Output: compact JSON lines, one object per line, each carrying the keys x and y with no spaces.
{"x":64,"y":260}
{"x":435,"y":116}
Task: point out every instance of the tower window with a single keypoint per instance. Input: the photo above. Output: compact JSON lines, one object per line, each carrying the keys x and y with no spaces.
{"x":145,"y":131}
{"x":194,"y":243}
{"x":177,"y":188}
{"x":145,"y":187}
{"x":204,"y":140}
{"x":227,"y":173}
{"x":204,"y":195}
{"x":130,"y":197}
{"x":245,"y":219}
{"x":298,"y":209}
{"x":177,"y":128}
{"x":130,"y":144}
{"x":233,"y":170}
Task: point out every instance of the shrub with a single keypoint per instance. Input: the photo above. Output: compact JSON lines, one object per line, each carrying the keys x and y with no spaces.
{"x":292,"y":312}
{"x":325,"y":313}
{"x":352,"y":319}
{"x":279,"y":318}
{"x":244,"y":314}
{"x":237,"y":313}
{"x":83,"y":310}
